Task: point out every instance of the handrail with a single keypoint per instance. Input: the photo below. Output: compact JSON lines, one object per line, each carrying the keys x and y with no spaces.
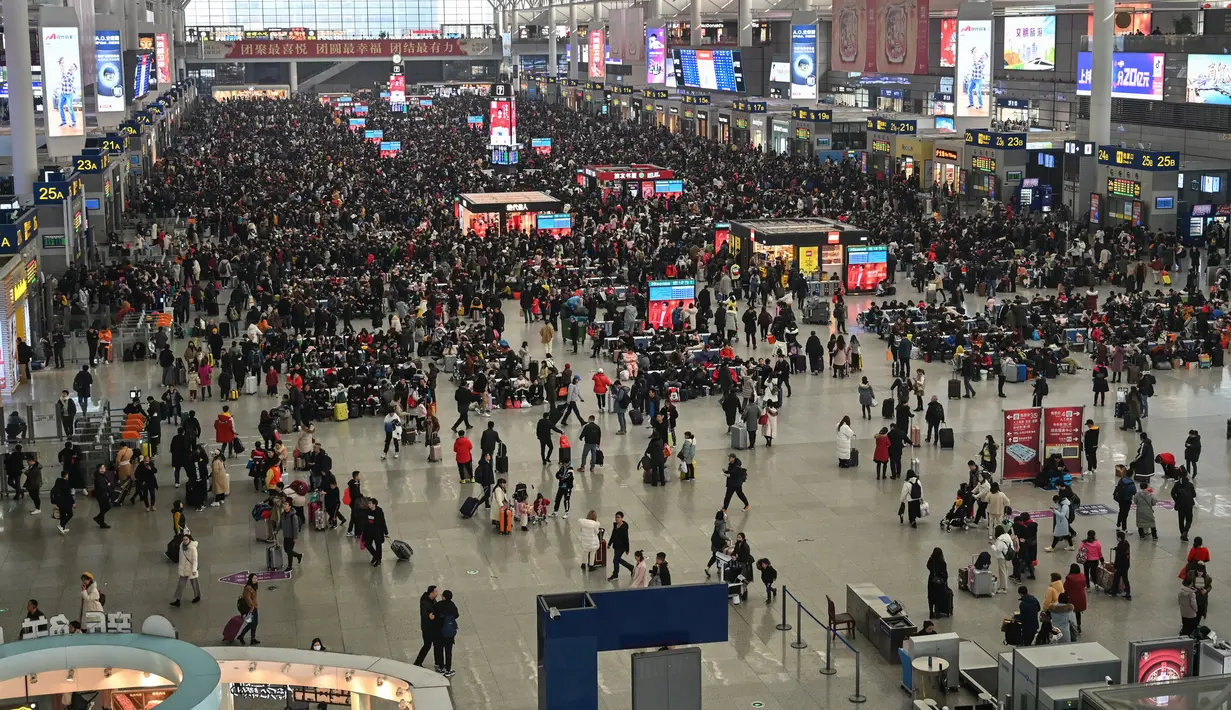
{"x":830,"y":635}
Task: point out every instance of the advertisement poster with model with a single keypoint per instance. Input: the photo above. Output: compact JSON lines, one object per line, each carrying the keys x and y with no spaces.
{"x":948,"y":42}
{"x":1134,"y":75}
{"x":902,"y":28}
{"x":1062,"y":435}
{"x":162,"y":52}
{"x":1021,"y":444}
{"x":866,"y":266}
{"x":145,"y":45}
{"x":656,"y":55}
{"x":1030,"y":43}
{"x":853,"y":36}
{"x":62,"y":78}
{"x":503,"y":122}
{"x":1209,"y":79}
{"x":974,"y":70}
{"x":666,"y":296}
{"x":109,"y":84}
{"x":803,"y":61}
{"x":397,"y":89}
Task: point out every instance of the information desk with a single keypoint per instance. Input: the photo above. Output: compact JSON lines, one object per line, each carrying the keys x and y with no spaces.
{"x":505,"y":211}
{"x":867,"y":603}
{"x":808,"y":245}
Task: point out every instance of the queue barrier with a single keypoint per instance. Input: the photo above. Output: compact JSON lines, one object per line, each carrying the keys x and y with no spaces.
{"x":830,"y":635}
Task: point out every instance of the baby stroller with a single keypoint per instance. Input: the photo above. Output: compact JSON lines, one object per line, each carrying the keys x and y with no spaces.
{"x":958,"y":515}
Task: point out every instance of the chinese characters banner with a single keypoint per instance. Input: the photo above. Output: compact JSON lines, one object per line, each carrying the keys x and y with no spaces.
{"x":1062,"y":435}
{"x":307,"y":49}
{"x":1021,"y":444}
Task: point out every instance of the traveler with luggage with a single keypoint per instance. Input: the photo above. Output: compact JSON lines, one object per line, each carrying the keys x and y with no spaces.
{"x":688,"y":457}
{"x":1040,"y":391}
{"x":591,"y":437}
{"x":940,"y":597}
{"x":589,"y":538}
{"x":736,"y":476}
{"x":719,"y":539}
{"x":934,"y":416}
{"x":910,"y":502}
{"x":290,"y":534}
{"x":1027,"y":616}
{"x":188,"y":569}
{"x":375,"y":530}
{"x":846,"y":444}
{"x":251,"y":619}
{"x":654,"y":461}
{"x":1120,"y":560}
{"x":880,"y":455}
{"x":393,"y":434}
{"x":543,"y":429}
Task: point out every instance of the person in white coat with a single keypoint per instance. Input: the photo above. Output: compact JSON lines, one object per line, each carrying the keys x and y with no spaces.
{"x":500,"y":499}
{"x":910,"y":502}
{"x":846,"y":439}
{"x":1003,"y":551}
{"x":769,"y":429}
{"x":91,"y":598}
{"x":587,"y":538}
{"x":641,"y":575}
{"x":188,"y":569}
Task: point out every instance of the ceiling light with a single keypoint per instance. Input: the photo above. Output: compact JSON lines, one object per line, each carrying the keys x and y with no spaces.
{"x":252,"y":667}
{"x":380,"y":681}
{"x":286,"y":668}
{"x":106,"y":672}
{"x":349,"y":675}
{"x":319,"y":670}
{"x":400,"y":692}
{"x":71,"y":673}
{"x":33,"y":678}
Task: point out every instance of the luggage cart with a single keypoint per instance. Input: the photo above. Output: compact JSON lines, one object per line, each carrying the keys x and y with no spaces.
{"x":735,"y":577}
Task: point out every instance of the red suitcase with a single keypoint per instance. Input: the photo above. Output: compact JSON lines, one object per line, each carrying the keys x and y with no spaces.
{"x":232,"y":629}
{"x":600,"y":556}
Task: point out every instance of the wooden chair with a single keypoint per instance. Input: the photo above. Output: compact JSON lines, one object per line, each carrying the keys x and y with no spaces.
{"x":837,"y":621}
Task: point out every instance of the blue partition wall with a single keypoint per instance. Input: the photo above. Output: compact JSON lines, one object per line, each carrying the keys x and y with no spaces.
{"x":589,"y":622}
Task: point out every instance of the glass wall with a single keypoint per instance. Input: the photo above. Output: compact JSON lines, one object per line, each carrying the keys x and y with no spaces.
{"x":353,"y":18}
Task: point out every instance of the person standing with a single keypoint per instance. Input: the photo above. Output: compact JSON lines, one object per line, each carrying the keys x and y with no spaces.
{"x":1040,"y":391}
{"x":91,"y":597}
{"x":1004,"y":552}
{"x":997,"y":504}
{"x":1122,"y":494}
{"x":618,"y":542}
{"x":1075,"y":585}
{"x":251,"y":597}
{"x":429,"y":625}
{"x":938,"y":585}
{"x":224,"y":431}
{"x":1006,"y":366}
{"x":688,"y":457}
{"x":1184,"y":494}
{"x":33,"y":485}
{"x":290,"y":534}
{"x":866,"y":399}
{"x":591,"y":437}
{"x":66,"y":412}
{"x":375,"y":530}
{"x":1188,"y":606}
{"x":897,"y":442}
{"x":601,"y":384}
{"x":1089,"y":445}
{"x":934,"y":416}
{"x":393,"y":435}
{"x":564,"y":490}
{"x":462,"y":448}
{"x":188,"y":569}
{"x":1028,"y":609}
{"x":736,"y":476}
{"x":641,"y":574}
{"x":1145,"y":500}
{"x":911,"y":498}
{"x":82,"y":383}
{"x":620,"y":398}
{"x":62,"y":499}
{"x":1120,"y":558}
{"x":1192,"y":452}
{"x":447,"y":614}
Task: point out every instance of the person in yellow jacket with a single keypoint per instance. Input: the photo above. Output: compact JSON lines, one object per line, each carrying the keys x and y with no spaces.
{"x":104,"y":344}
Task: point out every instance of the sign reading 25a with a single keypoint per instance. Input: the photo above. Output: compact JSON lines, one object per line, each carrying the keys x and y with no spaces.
{"x":92,"y":163}
{"x":53,"y":193}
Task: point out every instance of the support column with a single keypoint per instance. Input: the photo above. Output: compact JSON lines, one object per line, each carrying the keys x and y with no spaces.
{"x":227,"y":701}
{"x":21,"y":97}
{"x":653,"y":10}
{"x":745,"y":23}
{"x":551,"y":38}
{"x":360,"y":701}
{"x":1100,"y":84}
{"x":574,"y":42}
{"x":294,"y":77}
{"x":694,"y":23}
{"x":498,"y":20}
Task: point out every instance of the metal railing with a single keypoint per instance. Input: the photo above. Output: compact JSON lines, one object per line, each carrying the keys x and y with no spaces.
{"x":830,"y":635}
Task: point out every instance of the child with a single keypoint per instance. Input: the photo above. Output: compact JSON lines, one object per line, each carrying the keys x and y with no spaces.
{"x":521,"y":508}
{"x":540,"y":508}
{"x":768,"y":576}
{"x":566,"y":450}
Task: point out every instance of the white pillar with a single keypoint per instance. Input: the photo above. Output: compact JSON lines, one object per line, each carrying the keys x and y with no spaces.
{"x":694,"y":23}
{"x":21,"y":96}
{"x":574,"y":42}
{"x":551,"y":38}
{"x":360,"y":701}
{"x":227,"y":701}
{"x":745,"y":23}
{"x":1100,"y":83}
{"x":294,"y":77}
{"x":498,"y":19}
{"x":653,"y":10}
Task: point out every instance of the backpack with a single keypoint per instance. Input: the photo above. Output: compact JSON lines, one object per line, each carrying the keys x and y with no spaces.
{"x":1009,"y":553}
{"x":241,"y":605}
{"x":622,"y":400}
{"x":448,"y":628}
{"x":916,"y":492}
{"x":1073,"y":503}
{"x":983,"y":561}
{"x":389,"y":423}
{"x":1125,"y":490}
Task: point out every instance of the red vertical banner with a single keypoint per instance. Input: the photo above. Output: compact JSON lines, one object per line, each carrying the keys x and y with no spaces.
{"x":1021,"y":444}
{"x":1062,"y":435}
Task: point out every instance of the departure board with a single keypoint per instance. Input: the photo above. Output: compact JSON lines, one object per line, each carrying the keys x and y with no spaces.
{"x":713,"y":69}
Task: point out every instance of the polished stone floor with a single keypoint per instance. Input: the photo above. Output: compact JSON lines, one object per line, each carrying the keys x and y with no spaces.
{"x":822,"y":527}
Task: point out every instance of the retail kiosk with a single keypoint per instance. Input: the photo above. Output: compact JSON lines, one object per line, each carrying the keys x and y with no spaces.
{"x":813,"y":246}
{"x":506,"y":211}
{"x":1136,"y":187}
{"x":646,"y":180}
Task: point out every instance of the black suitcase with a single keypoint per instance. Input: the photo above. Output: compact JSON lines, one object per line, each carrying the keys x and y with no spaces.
{"x":854,"y":459}
{"x":401,"y":550}
{"x":1228,"y":427}
{"x":469,"y":506}
{"x":224,"y":329}
{"x":946,"y":438}
{"x":173,"y":549}
{"x":955,"y":389}
{"x":636,"y":417}
{"x":887,"y":408}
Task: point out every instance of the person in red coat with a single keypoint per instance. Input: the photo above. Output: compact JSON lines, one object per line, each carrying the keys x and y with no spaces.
{"x":1075,"y":589}
{"x":601,"y":383}
{"x":224,"y":430}
{"x":881,"y":455}
{"x":271,"y":382}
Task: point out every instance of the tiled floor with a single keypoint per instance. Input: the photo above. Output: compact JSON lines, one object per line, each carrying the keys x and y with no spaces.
{"x":822,"y":527}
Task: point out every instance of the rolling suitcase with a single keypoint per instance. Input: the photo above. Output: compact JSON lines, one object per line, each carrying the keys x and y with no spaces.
{"x":636,"y":417}
{"x":469,"y":506}
{"x":887,"y":408}
{"x":598,"y":457}
{"x":274,"y":557}
{"x":955,"y":389}
{"x":234,"y":625}
{"x":250,"y":384}
{"x":502,"y":459}
{"x":341,"y":412}
{"x":504,"y":524}
{"x":433,"y":454}
{"x":739,"y":438}
{"x":917,"y":467}
{"x":1014,"y":634}
{"x":946,"y":438}
{"x":915,"y":436}
{"x":401,"y":550}
{"x":600,"y":555}
{"x":320,"y":519}
{"x":980,"y":582}
{"x":853,"y":461}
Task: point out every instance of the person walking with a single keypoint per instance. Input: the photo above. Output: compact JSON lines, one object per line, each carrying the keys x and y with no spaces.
{"x":91,"y":597}
{"x":720,"y":539}
{"x":1089,"y":445}
{"x":375,"y":530}
{"x":618,"y":542}
{"x":429,"y":625}
{"x":602,"y":384}
{"x":102,"y":494}
{"x":641,"y":575}
{"x":1090,"y":555}
{"x":62,"y":498}
{"x":736,"y":476}
{"x":935,"y":417}
{"x":910,"y":500}
{"x":290,"y":534}
{"x":1120,"y":558}
{"x":188,"y":569}
{"x":573,"y":398}
{"x":1122,"y":494}
{"x":543,"y":429}
{"x":591,"y":438}
{"x":1061,"y":509}
{"x":998,"y":507}
{"x":1040,"y":391}
{"x":393,"y":434}
{"x":462,"y":448}
{"x":867,"y":398}
{"x":252,"y":601}
{"x":988,"y":454}
{"x":1192,"y":452}
{"x":1184,"y":494}
{"x":1145,"y":500}
{"x":447,"y":614}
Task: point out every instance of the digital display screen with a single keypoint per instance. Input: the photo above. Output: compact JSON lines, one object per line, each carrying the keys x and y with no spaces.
{"x":554,"y":221}
{"x":1208,"y":79}
{"x":1162,"y":664}
{"x":1047,"y":160}
{"x":503,"y":122}
{"x":92,"y":203}
{"x":780,"y":71}
{"x":109,"y":65}
{"x":472,"y":120}
{"x":1096,"y":212}
{"x":666,"y":295}
{"x":866,"y":266}
{"x":803,"y":62}
{"x":1211,"y":183}
{"x":388,"y":149}
{"x":376,"y":135}
{"x":973,"y":80}
{"x":713,"y":69}
{"x":948,"y":42}
{"x":542,"y":146}
{"x":1120,"y":187}
{"x":1134,"y":75}
{"x":360,"y":109}
{"x":945,"y":124}
{"x":425,"y":103}
{"x":881,"y":147}
{"x":1164,"y":203}
{"x":983,"y":163}
{"x":502,"y":155}
{"x":668,"y":186}
{"x":1030,"y":42}
{"x":356,"y":123}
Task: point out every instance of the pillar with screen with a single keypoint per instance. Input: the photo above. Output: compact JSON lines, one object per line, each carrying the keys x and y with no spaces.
{"x":666,"y":296}
{"x":866,"y":266}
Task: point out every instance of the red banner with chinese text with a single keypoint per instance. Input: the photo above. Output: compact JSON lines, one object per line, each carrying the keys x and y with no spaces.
{"x":1021,"y":444}
{"x":345,"y":49}
{"x":1062,"y":435}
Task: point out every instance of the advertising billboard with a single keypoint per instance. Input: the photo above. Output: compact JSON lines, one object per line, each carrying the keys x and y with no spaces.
{"x":1021,"y":444}
{"x":1127,"y":22}
{"x":109,"y":84}
{"x":866,"y":267}
{"x":503,"y":122}
{"x":141,"y":75}
{"x":853,"y":40}
{"x":597,"y":44}
{"x":1062,"y":435}
{"x":948,"y":42}
{"x":665,"y":296}
{"x":162,"y":52}
{"x":1134,"y":75}
{"x":1030,"y":43}
{"x":62,"y":78}
{"x":656,"y":55}
{"x":902,"y":30}
{"x":803,"y":61}
{"x":1209,"y":79}
{"x":974,"y":69}
{"x":145,"y":45}
{"x":713,"y":69}
{"x":397,"y":89}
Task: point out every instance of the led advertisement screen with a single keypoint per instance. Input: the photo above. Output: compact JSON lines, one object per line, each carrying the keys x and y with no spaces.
{"x":109,"y":61}
{"x":62,"y":76}
{"x":713,"y":69}
{"x":1134,"y":75}
{"x":503,"y":122}
{"x":803,"y":61}
{"x":656,"y":55}
{"x":1209,"y":79}
{"x":1030,"y":43}
{"x":162,"y":52}
{"x":948,"y":42}
{"x":974,"y":49}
